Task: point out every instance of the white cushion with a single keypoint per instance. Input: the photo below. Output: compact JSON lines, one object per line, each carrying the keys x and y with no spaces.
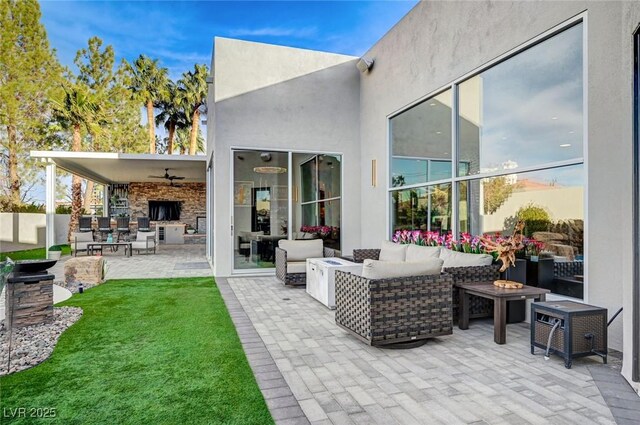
{"x":417,"y":253}
{"x":142,"y":244}
{"x":82,"y":236}
{"x":372,"y":269}
{"x":463,"y":259}
{"x":301,"y":250}
{"x":296,"y":266}
{"x":142,"y":236}
{"x":391,"y":251}
{"x":80,"y":246}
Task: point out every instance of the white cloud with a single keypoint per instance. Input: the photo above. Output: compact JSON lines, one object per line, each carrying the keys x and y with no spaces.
{"x":304,"y":32}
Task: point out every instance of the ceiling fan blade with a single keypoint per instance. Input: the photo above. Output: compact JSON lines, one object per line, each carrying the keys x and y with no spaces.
{"x":177,"y":178}
{"x":157,"y":177}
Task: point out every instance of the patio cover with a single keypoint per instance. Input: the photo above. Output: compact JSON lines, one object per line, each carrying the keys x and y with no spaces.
{"x":110,"y":168}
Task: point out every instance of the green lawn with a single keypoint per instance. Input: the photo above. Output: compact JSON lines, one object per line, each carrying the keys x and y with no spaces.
{"x":145,"y":352}
{"x":31,"y":254}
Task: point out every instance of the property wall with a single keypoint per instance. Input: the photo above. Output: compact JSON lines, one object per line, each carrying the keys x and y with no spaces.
{"x":438,"y":42}
{"x":29,"y":229}
{"x":279,"y":98}
{"x":192,"y":196}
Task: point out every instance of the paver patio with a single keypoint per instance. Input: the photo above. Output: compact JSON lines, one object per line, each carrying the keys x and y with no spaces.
{"x":168,"y":261}
{"x":464,"y":378}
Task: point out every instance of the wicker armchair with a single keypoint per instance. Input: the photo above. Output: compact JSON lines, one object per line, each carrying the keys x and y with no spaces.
{"x":395,"y":310}
{"x":293,"y":273}
{"x":480,"y":307}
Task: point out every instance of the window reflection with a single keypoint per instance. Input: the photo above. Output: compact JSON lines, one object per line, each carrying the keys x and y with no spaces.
{"x":525,"y":111}
{"x":421,"y":139}
{"x":427,"y":208}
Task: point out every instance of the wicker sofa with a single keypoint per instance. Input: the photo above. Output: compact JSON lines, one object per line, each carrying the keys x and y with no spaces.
{"x":382,"y":312}
{"x":291,"y":256}
{"x":479,"y":307}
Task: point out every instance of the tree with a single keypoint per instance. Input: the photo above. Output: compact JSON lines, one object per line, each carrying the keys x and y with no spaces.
{"x":148,"y":81}
{"x":183,"y":140}
{"x":76,"y":111}
{"x":193,"y":91}
{"x":29,"y":72}
{"x":496,"y":192}
{"x":171,"y":115}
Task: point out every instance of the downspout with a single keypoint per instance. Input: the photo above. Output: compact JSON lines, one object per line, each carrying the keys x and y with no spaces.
{"x":635,"y":367}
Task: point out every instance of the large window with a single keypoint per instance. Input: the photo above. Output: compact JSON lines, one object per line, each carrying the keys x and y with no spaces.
{"x":518,"y":142}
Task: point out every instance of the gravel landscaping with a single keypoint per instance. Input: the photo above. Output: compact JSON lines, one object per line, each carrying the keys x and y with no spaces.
{"x":33,"y":344}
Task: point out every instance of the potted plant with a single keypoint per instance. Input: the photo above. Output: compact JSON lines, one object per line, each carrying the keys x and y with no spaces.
{"x":190,"y":230}
{"x":55,"y":251}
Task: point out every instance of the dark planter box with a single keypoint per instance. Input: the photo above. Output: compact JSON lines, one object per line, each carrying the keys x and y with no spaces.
{"x":516,"y":309}
{"x":540,"y":273}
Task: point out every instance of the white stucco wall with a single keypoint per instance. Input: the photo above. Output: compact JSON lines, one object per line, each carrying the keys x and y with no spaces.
{"x":438,"y":42}
{"x":279,"y":98}
{"x":29,"y":228}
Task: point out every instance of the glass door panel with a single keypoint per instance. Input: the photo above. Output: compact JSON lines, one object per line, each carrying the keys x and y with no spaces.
{"x":260,"y":207}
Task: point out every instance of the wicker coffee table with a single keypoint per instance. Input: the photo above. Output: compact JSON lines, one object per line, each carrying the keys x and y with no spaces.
{"x":500,"y":296}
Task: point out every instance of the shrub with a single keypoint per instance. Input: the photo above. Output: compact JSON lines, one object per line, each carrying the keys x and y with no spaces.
{"x":55,"y":248}
{"x":536,"y":219}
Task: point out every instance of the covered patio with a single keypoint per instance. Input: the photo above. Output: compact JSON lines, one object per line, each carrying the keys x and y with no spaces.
{"x":131,"y":182}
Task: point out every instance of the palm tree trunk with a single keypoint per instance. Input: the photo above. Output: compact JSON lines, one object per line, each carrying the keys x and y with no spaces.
{"x":193,"y":145}
{"x":76,"y":186}
{"x":12,"y":165}
{"x":182,"y":150}
{"x":88,"y":195}
{"x":172,"y":133}
{"x":152,"y":129}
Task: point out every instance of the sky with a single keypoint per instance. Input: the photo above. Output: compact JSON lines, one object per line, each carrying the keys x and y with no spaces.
{"x":180,"y":33}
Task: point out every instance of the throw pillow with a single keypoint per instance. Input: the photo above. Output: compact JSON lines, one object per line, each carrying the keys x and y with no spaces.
{"x":422,"y":253}
{"x":391,"y":251}
{"x":373,"y":269}
{"x":463,"y":259}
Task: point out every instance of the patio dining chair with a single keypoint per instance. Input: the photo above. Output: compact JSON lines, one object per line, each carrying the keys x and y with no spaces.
{"x":122,"y":227}
{"x":84,"y":224}
{"x":144,"y":224}
{"x":104,"y":227}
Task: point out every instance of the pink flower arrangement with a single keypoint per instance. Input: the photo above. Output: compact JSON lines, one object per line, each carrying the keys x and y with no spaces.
{"x":322,"y":231}
{"x":465,"y":243}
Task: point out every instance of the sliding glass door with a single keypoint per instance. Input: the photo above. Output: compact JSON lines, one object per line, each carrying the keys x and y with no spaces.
{"x":260,"y":207}
{"x":283,"y":195}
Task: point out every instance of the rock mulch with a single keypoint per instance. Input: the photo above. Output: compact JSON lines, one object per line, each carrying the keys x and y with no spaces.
{"x":33,"y":344}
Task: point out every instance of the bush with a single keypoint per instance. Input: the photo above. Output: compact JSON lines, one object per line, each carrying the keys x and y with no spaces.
{"x":536,"y":219}
{"x":63,"y":209}
{"x":55,"y":248}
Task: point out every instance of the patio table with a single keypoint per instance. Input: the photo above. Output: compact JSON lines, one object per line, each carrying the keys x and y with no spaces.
{"x":500,"y":296}
{"x":100,"y":245}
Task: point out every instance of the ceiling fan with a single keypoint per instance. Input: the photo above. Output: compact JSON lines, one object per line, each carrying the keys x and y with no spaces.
{"x":168,"y":176}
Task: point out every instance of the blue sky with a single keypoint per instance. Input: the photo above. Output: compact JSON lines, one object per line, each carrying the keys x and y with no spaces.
{"x":180,"y":33}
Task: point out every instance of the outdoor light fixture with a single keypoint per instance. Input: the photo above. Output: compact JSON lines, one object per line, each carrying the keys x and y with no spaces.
{"x":269,"y":170}
{"x":364,"y":64}
{"x":374,"y":173}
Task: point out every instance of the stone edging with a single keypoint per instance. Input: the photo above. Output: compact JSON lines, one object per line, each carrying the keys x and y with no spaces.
{"x":283,"y":406}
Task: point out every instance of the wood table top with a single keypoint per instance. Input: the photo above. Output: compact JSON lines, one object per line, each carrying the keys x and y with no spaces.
{"x":488,"y":288}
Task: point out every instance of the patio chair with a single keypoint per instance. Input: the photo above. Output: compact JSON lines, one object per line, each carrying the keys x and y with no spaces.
{"x":244,"y":242}
{"x":144,"y":224}
{"x":291,"y":259}
{"x":104,"y":227}
{"x":80,"y":241}
{"x":403,"y":311}
{"x":460,"y":273}
{"x":122,"y":227}
{"x":144,"y":241}
{"x":84,"y":224}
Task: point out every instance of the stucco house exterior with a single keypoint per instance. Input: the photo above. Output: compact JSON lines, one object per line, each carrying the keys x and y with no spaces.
{"x":469,"y":113}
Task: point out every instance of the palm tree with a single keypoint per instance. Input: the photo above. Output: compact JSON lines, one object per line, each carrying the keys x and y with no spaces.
{"x":193,"y":90}
{"x":171,"y":114}
{"x":76,"y":111}
{"x":183,"y":140}
{"x":148,"y":82}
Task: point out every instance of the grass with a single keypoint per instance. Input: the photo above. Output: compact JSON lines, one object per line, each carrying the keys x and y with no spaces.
{"x":148,"y":351}
{"x":31,"y":254}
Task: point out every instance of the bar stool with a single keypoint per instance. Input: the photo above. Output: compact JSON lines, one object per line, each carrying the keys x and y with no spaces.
{"x":84,"y":224}
{"x":144,"y":224}
{"x":122,"y":227}
{"x":104,"y":227}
